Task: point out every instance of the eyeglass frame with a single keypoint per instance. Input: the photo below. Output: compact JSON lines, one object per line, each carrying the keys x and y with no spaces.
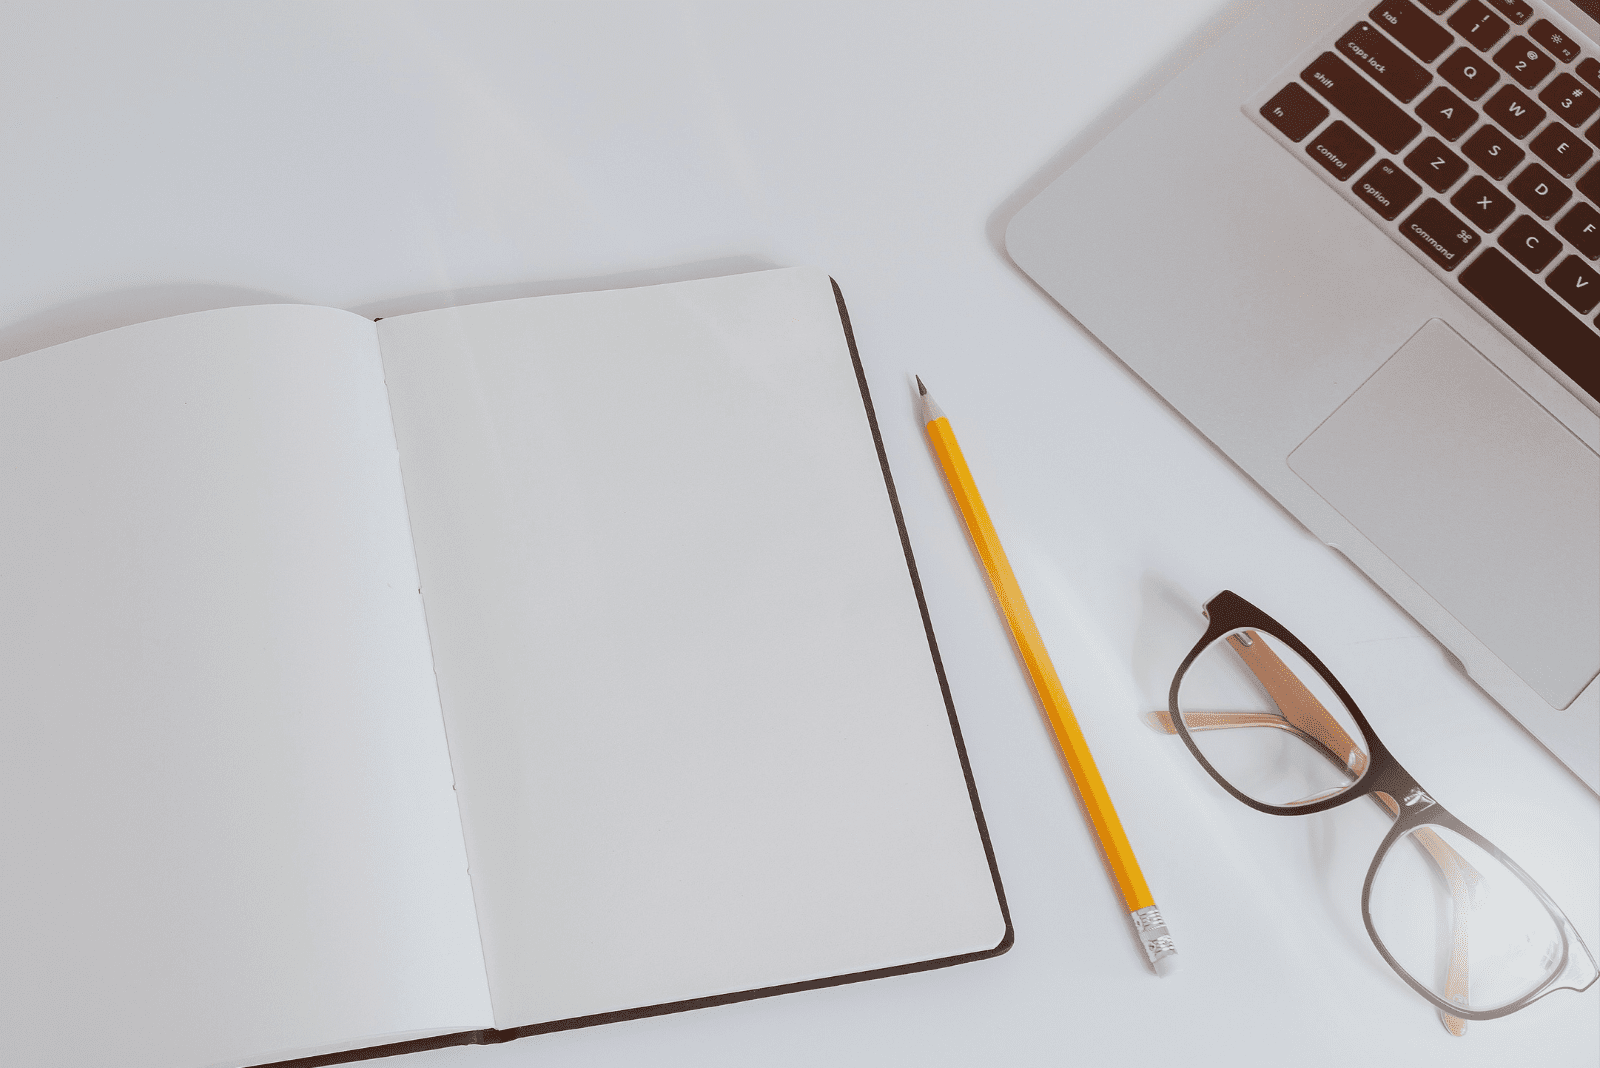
{"x":1382,"y":775}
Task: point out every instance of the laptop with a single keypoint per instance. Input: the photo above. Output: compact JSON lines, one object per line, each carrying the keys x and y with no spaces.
{"x":1358,"y":247}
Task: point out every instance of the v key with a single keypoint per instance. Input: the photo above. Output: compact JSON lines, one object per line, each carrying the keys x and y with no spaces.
{"x":1577,"y":283}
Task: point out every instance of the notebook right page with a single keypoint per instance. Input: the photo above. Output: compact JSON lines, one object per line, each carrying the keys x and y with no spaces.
{"x":697,"y":731}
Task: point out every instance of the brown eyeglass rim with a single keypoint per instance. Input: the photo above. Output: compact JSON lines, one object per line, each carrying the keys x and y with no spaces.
{"x":1227,"y":611}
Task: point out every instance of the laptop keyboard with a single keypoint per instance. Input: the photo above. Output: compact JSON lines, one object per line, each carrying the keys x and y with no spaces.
{"x":1467,"y":130}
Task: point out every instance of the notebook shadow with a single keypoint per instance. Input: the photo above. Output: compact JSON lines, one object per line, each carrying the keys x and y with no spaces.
{"x":652,"y":276}
{"x":124,"y":307}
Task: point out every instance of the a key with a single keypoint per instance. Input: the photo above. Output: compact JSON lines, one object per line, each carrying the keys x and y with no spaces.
{"x":1379,"y":59}
{"x":1387,"y":189}
{"x":1436,"y":164}
{"x":1467,"y":71}
{"x":1402,"y":21}
{"x":1570,"y":98}
{"x":1524,"y":62}
{"x":1447,"y":113}
{"x":1480,"y":26}
{"x":1340,"y":150}
{"x":1539,"y":190}
{"x":1589,"y":71}
{"x":1483,"y":205}
{"x":1581,"y":226}
{"x":1361,"y":102}
{"x":1294,"y":111}
{"x":1532,"y":245}
{"x":1589,"y":184}
{"x":1492,"y":150}
{"x":1577,"y":283}
{"x":1560,"y":147}
{"x":1555,"y":39}
{"x":1442,"y":237}
{"x":1515,"y":10}
{"x":1512,"y":109}
{"x":1531,"y":311}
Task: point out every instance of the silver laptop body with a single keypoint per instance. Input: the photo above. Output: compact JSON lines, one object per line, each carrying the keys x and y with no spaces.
{"x":1353,"y":245}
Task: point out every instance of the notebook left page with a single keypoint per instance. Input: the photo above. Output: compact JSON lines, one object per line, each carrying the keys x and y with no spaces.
{"x":229,"y":829}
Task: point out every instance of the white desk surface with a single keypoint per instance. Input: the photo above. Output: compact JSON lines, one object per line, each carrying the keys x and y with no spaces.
{"x":168,"y":158}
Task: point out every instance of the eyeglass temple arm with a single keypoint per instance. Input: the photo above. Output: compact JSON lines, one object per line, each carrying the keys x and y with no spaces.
{"x":1298,"y":704}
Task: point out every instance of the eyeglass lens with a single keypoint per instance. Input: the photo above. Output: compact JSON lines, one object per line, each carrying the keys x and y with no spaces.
{"x":1267,"y":723}
{"x":1460,"y":922}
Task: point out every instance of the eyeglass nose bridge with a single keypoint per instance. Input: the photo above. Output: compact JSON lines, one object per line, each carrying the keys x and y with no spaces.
{"x":1393,"y":788}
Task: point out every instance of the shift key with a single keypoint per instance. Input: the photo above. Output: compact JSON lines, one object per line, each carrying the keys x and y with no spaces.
{"x":1361,"y":102}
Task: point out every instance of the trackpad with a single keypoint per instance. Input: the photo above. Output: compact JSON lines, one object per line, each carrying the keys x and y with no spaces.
{"x":1479,"y":495}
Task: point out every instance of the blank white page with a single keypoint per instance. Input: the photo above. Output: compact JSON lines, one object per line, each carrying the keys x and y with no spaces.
{"x":229,"y":827}
{"x":698,"y":735}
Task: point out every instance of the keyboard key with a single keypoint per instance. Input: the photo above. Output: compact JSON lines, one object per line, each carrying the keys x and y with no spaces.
{"x":1589,"y":184}
{"x":1402,"y":21}
{"x":1469,"y":73}
{"x":1570,"y":99}
{"x":1436,"y":164}
{"x":1447,"y":113}
{"x":1340,"y":150}
{"x":1524,"y":62}
{"x":1377,"y":57}
{"x":1560,"y":147}
{"x":1480,"y":26}
{"x":1437,"y":232}
{"x":1538,"y":317}
{"x":1581,"y":226}
{"x":1484,"y":206}
{"x":1438,"y":7}
{"x":1532,"y":245}
{"x":1515,"y":10}
{"x":1540,"y":190}
{"x":1294,"y":112}
{"x":1576,"y":283}
{"x":1387,"y":189}
{"x":1589,"y":71}
{"x":1361,"y":102}
{"x":1555,"y":39}
{"x":1492,"y":150}
{"x":1511,"y":108}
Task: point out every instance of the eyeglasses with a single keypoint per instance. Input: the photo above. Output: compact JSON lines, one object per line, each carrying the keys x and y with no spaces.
{"x":1460,"y":922}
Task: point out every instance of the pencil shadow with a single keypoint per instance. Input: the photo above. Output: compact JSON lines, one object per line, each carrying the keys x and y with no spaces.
{"x":124,"y":307}
{"x":653,"y":276}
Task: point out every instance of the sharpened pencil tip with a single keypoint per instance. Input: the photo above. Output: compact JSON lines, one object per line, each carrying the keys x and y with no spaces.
{"x":922,"y":390}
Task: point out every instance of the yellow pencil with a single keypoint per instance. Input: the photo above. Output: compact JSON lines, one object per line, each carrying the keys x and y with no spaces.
{"x":1030,"y":646}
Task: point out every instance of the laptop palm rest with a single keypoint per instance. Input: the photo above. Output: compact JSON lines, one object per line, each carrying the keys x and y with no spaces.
{"x":1413,"y":458}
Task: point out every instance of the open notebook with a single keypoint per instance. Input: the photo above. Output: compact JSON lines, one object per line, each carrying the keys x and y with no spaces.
{"x":462,"y":676}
